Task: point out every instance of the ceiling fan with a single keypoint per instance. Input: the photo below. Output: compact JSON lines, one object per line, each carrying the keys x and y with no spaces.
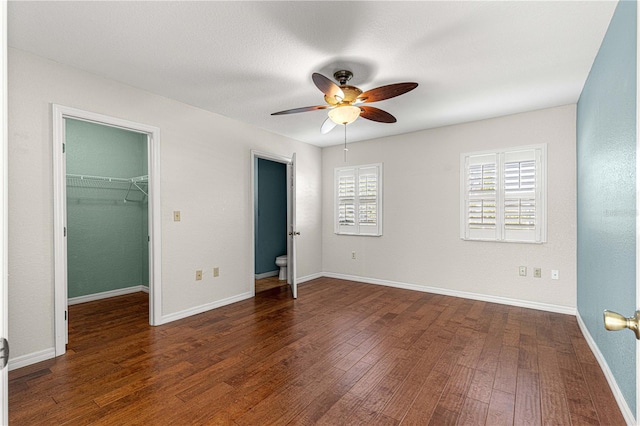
{"x":344,"y":102}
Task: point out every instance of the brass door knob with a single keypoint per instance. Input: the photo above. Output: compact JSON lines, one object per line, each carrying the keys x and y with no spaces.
{"x":614,"y":321}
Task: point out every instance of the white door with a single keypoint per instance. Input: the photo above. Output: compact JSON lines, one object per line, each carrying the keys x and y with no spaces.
{"x":4,"y":319}
{"x":291,"y":226}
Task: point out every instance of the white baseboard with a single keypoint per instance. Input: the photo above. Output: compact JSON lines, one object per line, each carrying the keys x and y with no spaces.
{"x":107,"y":294}
{"x":32,"y":358}
{"x":267,"y":274}
{"x":456,"y":293}
{"x":309,"y":278}
{"x":204,"y":308}
{"x":613,"y":384}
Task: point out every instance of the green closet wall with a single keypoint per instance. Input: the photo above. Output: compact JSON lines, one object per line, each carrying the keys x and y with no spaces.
{"x":107,"y":245}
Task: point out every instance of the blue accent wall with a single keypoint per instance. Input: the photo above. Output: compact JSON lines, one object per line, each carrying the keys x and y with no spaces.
{"x":271,"y":214}
{"x":606,"y":178}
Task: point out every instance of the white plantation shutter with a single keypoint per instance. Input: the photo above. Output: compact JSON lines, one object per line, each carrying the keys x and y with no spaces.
{"x":359,"y":200}
{"x":504,"y":195}
{"x":480,"y":206}
{"x":346,"y":187}
{"x":521,"y":214}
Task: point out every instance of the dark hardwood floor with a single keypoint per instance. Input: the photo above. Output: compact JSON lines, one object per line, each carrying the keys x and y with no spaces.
{"x":265,"y":284}
{"x":343,"y":353}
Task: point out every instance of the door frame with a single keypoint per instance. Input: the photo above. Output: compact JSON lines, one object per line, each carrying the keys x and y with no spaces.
{"x":637,"y":413}
{"x":4,"y":141}
{"x":252,"y":258}
{"x":60,"y":113}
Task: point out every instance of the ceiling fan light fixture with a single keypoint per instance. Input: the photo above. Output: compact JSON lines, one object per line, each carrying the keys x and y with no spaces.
{"x":345,"y":114}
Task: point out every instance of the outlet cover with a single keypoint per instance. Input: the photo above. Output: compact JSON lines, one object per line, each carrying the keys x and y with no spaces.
{"x":216,"y":272}
{"x":522,"y":271}
{"x":537,"y":272}
{"x":198,"y":274}
{"x":176,"y":216}
{"x":555,"y":274}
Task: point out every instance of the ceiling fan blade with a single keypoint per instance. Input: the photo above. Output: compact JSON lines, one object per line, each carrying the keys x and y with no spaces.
{"x":303,"y":109}
{"x":386,"y":92}
{"x":326,"y":86}
{"x":327,"y":126}
{"x":376,"y":114}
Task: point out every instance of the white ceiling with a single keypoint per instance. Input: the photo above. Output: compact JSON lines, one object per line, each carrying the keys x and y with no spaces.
{"x":245,"y":60}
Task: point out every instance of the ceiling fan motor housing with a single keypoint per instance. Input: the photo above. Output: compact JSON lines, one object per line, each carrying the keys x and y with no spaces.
{"x":342,"y":76}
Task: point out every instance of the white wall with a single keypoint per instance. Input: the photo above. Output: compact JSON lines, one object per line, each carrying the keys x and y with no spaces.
{"x":205,"y":168}
{"x":421,"y":247}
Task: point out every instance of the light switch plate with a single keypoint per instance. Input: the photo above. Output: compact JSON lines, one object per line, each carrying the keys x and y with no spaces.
{"x":176,"y":216}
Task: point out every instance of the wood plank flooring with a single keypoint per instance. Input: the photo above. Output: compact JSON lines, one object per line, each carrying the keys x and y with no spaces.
{"x":343,"y":353}
{"x":265,"y":284}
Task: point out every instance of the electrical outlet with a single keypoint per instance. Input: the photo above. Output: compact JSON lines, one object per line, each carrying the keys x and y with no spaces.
{"x":353,"y":255}
{"x":198,"y":274}
{"x":555,"y":274}
{"x":216,"y":272}
{"x":523,"y":271}
{"x":176,"y":216}
{"x":537,"y":272}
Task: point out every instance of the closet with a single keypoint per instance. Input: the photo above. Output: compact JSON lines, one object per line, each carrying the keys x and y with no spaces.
{"x":107,"y":211}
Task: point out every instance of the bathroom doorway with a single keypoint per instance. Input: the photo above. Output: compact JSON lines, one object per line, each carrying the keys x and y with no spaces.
{"x":274,"y":229}
{"x":270,"y":221}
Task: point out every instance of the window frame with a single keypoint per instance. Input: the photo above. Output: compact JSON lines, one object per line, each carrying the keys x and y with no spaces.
{"x":358,"y":227}
{"x":529,"y":224}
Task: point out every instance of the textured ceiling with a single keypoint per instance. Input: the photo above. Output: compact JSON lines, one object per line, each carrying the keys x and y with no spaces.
{"x":245,"y":60}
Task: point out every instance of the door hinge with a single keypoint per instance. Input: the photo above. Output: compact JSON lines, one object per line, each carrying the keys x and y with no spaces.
{"x":4,"y":349}
{"x":65,"y":231}
{"x":64,"y":147}
{"x":65,"y":315}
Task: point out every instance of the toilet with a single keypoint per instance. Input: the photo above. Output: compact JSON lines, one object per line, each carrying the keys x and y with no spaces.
{"x":281,"y":261}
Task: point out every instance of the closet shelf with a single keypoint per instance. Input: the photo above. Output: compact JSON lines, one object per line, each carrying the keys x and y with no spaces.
{"x":134,"y":183}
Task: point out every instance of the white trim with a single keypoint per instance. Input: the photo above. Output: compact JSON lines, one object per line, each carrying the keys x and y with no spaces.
{"x":59,"y":113}
{"x":637,"y":413}
{"x":107,"y":294}
{"x":206,"y":307}
{"x":309,"y":277}
{"x":613,"y":384}
{"x":267,"y":274}
{"x":32,"y":358}
{"x":252,"y":206}
{"x":4,"y":192}
{"x":455,"y":293}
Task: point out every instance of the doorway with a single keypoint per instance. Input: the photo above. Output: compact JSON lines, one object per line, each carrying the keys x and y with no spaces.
{"x":107,"y":211}
{"x":139,"y":192}
{"x":290,"y":230}
{"x":270,"y":221}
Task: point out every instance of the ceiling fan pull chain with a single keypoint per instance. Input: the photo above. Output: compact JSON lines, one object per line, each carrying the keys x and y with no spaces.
{"x":345,"y":142}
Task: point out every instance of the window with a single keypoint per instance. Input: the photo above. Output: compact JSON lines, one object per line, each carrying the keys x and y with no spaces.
{"x":358,"y":200}
{"x":503,"y":195}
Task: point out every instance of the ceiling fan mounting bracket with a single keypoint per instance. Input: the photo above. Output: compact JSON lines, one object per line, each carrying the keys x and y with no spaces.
{"x":342,"y":76}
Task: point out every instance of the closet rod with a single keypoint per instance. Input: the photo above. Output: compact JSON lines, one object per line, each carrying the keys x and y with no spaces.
{"x":139,"y":179}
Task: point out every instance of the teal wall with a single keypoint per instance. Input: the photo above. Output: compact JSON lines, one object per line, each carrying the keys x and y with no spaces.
{"x":106,"y":237}
{"x":271,"y":214}
{"x":606,"y":175}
